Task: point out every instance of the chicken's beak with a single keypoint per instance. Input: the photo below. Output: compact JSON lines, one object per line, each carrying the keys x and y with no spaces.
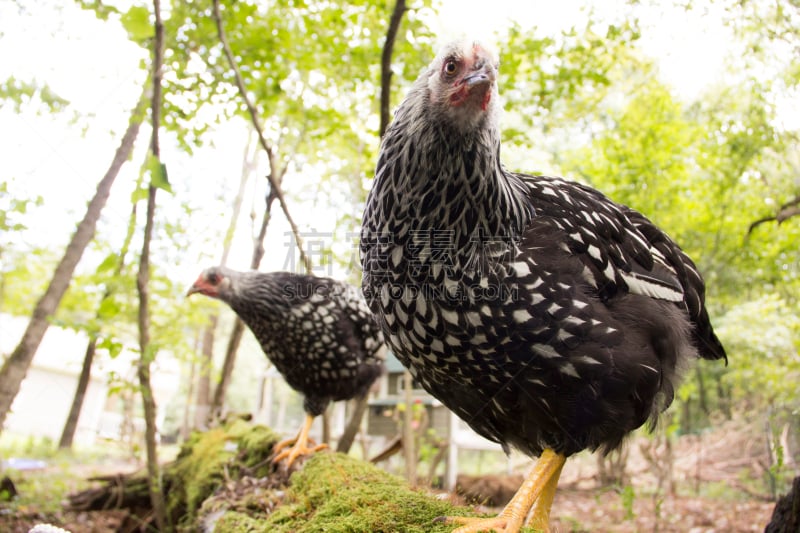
{"x":198,"y":286}
{"x":477,"y":87}
{"x":479,"y":79}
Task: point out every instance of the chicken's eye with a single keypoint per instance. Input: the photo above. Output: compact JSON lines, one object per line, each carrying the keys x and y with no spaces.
{"x":450,"y":67}
{"x":213,"y":278}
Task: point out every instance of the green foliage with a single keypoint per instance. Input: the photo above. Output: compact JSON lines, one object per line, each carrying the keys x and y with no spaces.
{"x":764,"y":337}
{"x":307,"y":89}
{"x":136,"y":22}
{"x":770,"y":32}
{"x":23,"y":277}
{"x":334,"y":492}
{"x":16,"y":267}
{"x":13,"y":207}
{"x":648,"y":139}
{"x":21,"y":94}
{"x":628,"y":497}
{"x":552,"y":84}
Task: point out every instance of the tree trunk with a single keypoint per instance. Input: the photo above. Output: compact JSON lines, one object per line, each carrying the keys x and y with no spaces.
{"x":146,"y":351}
{"x":274,"y":177}
{"x":71,"y":424}
{"x":227,"y":370}
{"x":186,"y":426}
{"x":409,"y":449}
{"x":353,"y":425}
{"x":204,"y":412}
{"x":16,"y":366}
{"x":701,"y":390}
{"x":146,"y":356}
{"x":203,"y":398}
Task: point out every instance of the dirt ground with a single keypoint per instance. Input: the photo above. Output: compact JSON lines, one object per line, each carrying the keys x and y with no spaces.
{"x":575,"y":510}
{"x":605,"y":511}
{"x":717,"y":480}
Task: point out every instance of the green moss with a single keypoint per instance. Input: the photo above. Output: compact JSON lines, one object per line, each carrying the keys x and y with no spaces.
{"x":335,"y":492}
{"x":235,"y":522}
{"x":255,"y":445}
{"x":206,"y":458}
{"x":223,"y":477}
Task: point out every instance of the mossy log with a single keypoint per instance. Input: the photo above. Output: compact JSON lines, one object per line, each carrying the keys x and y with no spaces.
{"x":222,"y":480}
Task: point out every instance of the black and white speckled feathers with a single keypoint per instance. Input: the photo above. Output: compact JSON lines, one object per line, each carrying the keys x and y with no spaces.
{"x":318,"y":332}
{"x":541,"y":312}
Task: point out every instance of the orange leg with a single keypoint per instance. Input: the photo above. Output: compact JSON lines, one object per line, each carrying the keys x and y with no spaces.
{"x":300,"y":445}
{"x":537,"y":491}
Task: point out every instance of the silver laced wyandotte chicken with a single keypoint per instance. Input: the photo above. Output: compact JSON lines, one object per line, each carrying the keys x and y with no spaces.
{"x":318,"y":332}
{"x":548,"y":317}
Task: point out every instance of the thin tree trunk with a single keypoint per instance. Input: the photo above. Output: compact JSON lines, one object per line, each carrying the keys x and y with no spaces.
{"x":353,"y":425}
{"x":16,"y":366}
{"x":205,"y":410}
{"x":386,"y":63}
{"x":701,"y":390}
{"x":409,"y":449}
{"x":146,"y":357}
{"x":203,"y":398}
{"x":326,"y":425}
{"x":227,"y":369}
{"x":127,"y":430}
{"x":146,"y":351}
{"x":71,"y":424}
{"x":187,"y":408}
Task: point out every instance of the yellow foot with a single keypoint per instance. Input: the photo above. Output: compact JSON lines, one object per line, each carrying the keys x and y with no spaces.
{"x":299,"y":445}
{"x":500,"y":524}
{"x":297,"y":450}
{"x":534,"y":497}
{"x":283,"y":444}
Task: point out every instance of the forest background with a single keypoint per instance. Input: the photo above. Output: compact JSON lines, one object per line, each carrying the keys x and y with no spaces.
{"x":687,"y":111}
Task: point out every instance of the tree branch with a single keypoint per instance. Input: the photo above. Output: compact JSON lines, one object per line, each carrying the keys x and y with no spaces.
{"x":273,"y":175}
{"x":786,"y":211}
{"x":386,"y":62}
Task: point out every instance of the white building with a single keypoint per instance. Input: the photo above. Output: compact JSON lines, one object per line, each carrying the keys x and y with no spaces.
{"x":41,"y":407}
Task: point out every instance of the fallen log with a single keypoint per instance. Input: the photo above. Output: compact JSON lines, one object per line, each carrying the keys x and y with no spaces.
{"x":223,"y":480}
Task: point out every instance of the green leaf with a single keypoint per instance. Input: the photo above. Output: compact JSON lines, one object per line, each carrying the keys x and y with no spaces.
{"x":158,"y":173}
{"x":109,"y":263}
{"x":109,"y":308}
{"x":113,"y":347}
{"x":136,"y":22}
{"x":138,"y":194}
